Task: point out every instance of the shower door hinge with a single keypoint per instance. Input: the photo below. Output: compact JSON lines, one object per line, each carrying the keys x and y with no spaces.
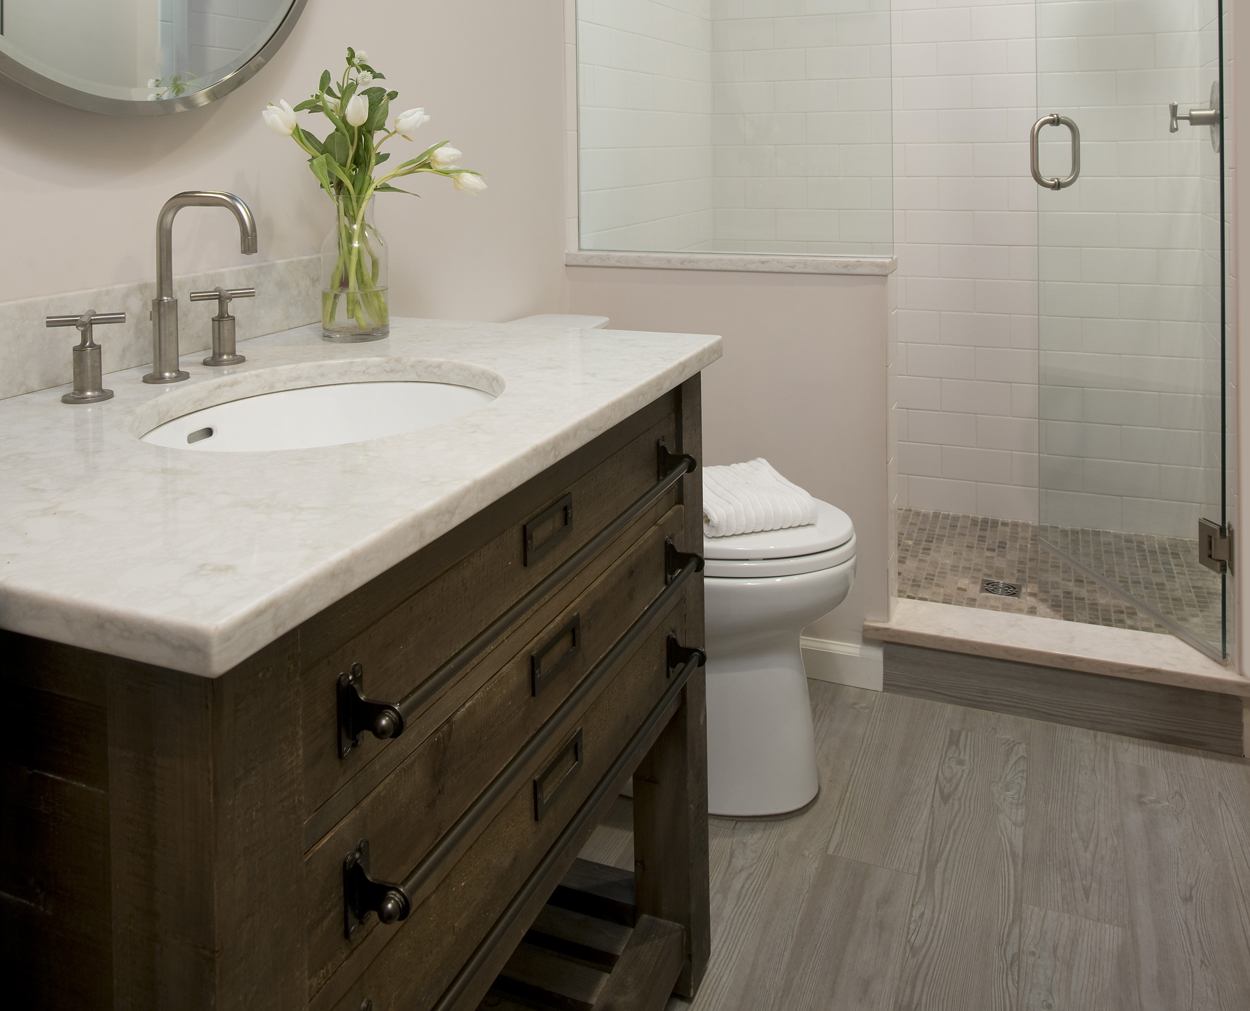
{"x":1215,"y":546}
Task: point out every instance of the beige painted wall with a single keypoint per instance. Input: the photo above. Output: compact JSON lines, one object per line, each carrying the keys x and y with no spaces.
{"x":802,"y":382}
{"x":79,"y":193}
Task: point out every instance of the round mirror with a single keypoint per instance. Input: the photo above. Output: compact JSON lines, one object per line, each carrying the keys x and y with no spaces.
{"x":140,"y":57}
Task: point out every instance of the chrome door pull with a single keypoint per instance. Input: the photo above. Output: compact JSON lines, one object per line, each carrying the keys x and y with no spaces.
{"x":1054,"y":182}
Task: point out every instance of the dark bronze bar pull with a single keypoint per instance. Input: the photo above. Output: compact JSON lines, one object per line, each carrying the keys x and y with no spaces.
{"x":548,"y":528}
{"x":359,"y":714}
{"x":555,"y":655}
{"x":548,"y":782}
{"x":680,"y":657}
{"x":666,"y":460}
{"x":677,"y":562}
{"x":363,"y":895}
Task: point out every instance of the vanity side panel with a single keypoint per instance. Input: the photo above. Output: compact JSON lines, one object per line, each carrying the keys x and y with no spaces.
{"x":205,"y":840}
{"x":259,"y":802}
{"x":55,"y":912}
{"x":161,"y":837}
{"x":671,"y":862}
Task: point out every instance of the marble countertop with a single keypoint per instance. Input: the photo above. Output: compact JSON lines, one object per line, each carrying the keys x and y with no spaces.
{"x":195,"y":560}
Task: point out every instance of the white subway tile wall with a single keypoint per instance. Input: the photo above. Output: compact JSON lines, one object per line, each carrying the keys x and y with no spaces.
{"x":1129,"y":270}
{"x":801,"y":113}
{"x":644,"y":80}
{"x":966,"y":234}
{"x":757,"y":126}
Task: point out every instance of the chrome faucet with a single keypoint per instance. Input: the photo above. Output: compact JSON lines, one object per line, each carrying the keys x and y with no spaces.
{"x":165,"y":306}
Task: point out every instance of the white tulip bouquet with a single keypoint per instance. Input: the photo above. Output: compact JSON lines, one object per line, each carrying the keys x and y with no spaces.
{"x":347,"y":163}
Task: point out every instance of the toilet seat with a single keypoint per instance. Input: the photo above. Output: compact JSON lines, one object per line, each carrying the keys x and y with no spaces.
{"x":768,"y":568}
{"x":827,"y":543}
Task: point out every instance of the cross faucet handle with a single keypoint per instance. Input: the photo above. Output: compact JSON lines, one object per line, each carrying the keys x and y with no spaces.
{"x":224,"y":297}
{"x":85,"y":322}
{"x":88,"y":370}
{"x":224,"y":350}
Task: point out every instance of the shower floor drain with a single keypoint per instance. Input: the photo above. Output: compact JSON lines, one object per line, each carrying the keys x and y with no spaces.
{"x":1000,"y":588}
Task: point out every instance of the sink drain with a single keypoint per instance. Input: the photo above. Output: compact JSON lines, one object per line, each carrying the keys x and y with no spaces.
{"x":1000,"y":588}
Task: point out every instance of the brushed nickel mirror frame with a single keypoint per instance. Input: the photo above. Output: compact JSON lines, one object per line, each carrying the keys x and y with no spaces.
{"x":13,"y":70}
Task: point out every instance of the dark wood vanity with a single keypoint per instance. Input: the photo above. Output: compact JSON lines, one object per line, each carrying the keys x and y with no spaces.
{"x":373,"y":811}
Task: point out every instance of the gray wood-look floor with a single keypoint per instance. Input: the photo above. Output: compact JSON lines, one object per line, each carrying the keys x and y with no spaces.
{"x":964,"y":860}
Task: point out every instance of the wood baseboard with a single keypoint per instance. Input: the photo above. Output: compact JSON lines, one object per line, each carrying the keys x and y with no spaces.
{"x":1166,"y":713}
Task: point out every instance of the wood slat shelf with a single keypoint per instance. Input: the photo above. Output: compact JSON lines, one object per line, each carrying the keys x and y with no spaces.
{"x":588,"y":950}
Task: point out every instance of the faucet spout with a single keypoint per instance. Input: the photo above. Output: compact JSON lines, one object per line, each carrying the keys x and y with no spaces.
{"x":165,"y":307}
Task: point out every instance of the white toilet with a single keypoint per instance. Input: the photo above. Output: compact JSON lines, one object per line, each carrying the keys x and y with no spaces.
{"x":761,"y":590}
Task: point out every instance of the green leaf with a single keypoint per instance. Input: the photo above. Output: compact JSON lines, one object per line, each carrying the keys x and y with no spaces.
{"x":338,"y":147}
{"x":347,"y":94}
{"x":392,"y":95}
{"x":332,"y":168}
{"x":388,"y":188}
{"x":378,"y":108}
{"x":341,"y":175}
{"x":310,"y":140}
{"x":321,"y":169}
{"x":308,"y":105}
{"x":351,"y":54}
{"x":384,"y":156}
{"x":325,"y":81}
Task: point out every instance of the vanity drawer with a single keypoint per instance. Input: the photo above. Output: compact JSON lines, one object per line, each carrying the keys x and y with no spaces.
{"x":411,"y":963}
{"x":426,"y":796}
{"x":418,"y":652}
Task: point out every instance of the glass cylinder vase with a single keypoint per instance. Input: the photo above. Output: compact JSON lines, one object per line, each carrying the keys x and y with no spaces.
{"x":354,"y":295}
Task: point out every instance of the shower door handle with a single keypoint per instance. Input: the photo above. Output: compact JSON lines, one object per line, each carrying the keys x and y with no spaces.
{"x":1212,"y":117}
{"x":1054,"y":182}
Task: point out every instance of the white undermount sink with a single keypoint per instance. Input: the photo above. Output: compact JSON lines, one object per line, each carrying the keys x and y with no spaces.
{"x":316,"y":416}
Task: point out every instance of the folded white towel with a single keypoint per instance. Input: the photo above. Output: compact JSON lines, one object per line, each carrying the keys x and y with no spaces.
{"x":744,"y":498}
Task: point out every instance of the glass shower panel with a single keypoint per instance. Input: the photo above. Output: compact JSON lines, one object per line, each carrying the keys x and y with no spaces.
{"x":1130,"y":325}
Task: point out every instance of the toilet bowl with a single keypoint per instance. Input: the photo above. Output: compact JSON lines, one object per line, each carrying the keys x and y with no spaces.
{"x":760,"y":591}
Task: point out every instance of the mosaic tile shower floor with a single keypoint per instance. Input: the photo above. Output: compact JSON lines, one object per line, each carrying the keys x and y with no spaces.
{"x":943,"y":557}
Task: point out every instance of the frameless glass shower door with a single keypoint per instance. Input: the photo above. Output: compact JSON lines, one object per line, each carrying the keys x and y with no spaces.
{"x":1126,"y":155}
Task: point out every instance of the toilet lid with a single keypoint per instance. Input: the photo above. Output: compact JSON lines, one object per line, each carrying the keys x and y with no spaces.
{"x":832,"y":529}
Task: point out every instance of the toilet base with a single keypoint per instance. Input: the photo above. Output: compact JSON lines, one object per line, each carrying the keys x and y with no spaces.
{"x":761,"y":746}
